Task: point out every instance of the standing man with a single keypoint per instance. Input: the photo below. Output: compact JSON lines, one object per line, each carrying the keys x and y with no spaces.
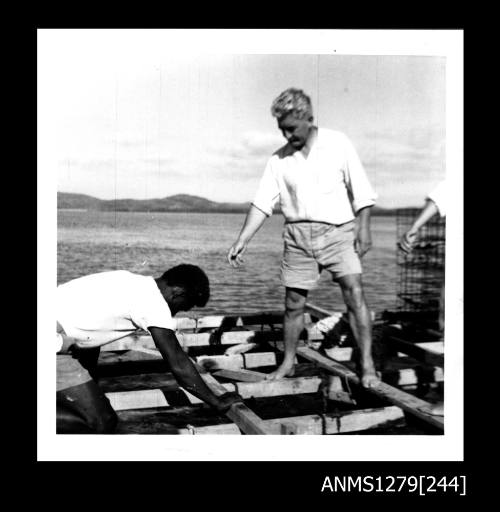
{"x":435,"y":203}
{"x":100,"y":308}
{"x":325,"y":197}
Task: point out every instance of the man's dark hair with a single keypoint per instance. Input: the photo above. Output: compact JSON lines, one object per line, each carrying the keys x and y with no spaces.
{"x":192,"y":279}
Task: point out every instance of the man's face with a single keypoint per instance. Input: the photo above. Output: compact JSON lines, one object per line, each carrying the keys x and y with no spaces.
{"x":178,"y":301}
{"x":295,"y":131}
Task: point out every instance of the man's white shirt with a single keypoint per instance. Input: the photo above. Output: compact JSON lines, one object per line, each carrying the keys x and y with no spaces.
{"x":101,"y":308}
{"x":330,"y":185}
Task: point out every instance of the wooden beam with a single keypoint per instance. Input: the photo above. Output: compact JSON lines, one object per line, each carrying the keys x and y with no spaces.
{"x":235,"y":362}
{"x":436,"y":347}
{"x":213,"y":363}
{"x":246,"y":319}
{"x":340,"y":353}
{"x":154,"y":397}
{"x":314,"y":424}
{"x":239,"y":413}
{"x":198,"y":339}
{"x":141,"y":399}
{"x":240,"y":375}
{"x":282,"y":387}
{"x":323,"y":313}
{"x":242,"y":348}
{"x":416,"y":351}
{"x":409,"y":403}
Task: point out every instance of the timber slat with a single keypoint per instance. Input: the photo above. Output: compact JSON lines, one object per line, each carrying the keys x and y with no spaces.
{"x":409,"y":403}
{"x":158,"y":385}
{"x":241,"y":375}
{"x":199,"y":339}
{"x":314,"y":424}
{"x":239,"y":413}
{"x":417,"y":351}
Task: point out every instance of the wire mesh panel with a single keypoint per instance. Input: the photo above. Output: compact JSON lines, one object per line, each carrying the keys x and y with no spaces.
{"x":421,"y":273}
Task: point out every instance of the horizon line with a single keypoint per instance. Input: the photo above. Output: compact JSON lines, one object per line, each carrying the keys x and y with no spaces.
{"x":202,"y":197}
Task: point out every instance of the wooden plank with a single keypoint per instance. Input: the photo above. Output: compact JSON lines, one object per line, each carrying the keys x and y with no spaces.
{"x":246,"y":319}
{"x":282,"y":387}
{"x":436,"y":347}
{"x":256,"y":359}
{"x":134,"y":342}
{"x":314,"y":424}
{"x":409,"y":376}
{"x":123,"y":400}
{"x":134,"y":398}
{"x":323,"y":313}
{"x":239,"y":413}
{"x":409,"y":403}
{"x":240,"y":375}
{"x":153,"y":352}
{"x":340,"y":353}
{"x":213,"y":363}
{"x":235,"y":362}
{"x":239,"y":349}
{"x":416,"y":351}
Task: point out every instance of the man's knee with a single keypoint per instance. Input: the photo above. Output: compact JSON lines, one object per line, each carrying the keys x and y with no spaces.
{"x":89,"y":406}
{"x":75,"y":421}
{"x":295,"y":301}
{"x":353,"y":294}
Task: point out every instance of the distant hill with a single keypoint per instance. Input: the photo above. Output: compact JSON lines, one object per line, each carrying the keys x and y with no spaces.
{"x":176,"y":203}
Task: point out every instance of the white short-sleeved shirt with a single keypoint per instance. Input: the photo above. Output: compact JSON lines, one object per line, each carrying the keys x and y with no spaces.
{"x":330,"y":185}
{"x":101,"y":308}
{"x":438,"y":195}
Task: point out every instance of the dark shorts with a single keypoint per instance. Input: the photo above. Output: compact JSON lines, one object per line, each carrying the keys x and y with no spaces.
{"x":310,"y":247}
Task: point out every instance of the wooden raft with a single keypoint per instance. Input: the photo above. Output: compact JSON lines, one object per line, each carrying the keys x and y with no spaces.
{"x":234,"y":353}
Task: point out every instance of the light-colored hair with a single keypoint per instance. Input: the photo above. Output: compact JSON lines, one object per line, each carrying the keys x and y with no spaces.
{"x":292,"y":101}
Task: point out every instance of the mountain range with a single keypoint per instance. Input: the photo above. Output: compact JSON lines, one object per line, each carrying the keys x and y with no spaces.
{"x":175,"y":203}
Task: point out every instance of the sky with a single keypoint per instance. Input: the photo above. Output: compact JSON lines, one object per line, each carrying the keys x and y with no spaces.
{"x":136,"y":114}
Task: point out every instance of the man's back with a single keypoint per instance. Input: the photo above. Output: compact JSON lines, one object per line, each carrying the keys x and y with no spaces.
{"x":104,"y":307}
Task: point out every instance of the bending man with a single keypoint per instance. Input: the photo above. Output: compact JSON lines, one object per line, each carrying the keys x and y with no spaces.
{"x":100,"y":308}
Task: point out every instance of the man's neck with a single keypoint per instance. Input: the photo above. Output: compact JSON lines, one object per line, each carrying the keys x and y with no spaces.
{"x":311,"y":138}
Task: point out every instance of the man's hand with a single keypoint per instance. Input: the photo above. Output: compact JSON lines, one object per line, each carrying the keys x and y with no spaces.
{"x":363,"y":240}
{"x":407,"y":241}
{"x":234,"y":255}
{"x":225,"y":401}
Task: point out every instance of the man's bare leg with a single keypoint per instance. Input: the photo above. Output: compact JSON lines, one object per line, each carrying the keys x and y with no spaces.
{"x":293,"y":323}
{"x":359,"y":319}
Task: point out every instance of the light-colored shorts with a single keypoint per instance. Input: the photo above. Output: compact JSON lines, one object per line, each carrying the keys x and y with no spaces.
{"x":311,"y":247}
{"x":69,"y":372}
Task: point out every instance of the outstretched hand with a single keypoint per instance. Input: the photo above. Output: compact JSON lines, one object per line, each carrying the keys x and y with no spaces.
{"x":235,"y":253}
{"x":226,"y":400}
{"x":407,"y":241}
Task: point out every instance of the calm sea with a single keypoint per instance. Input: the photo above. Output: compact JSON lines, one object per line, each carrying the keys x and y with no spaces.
{"x":150,"y":243}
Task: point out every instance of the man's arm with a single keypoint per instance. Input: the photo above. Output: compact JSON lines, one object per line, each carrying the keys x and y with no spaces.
{"x":185,"y":372}
{"x":408,"y":239}
{"x":253,"y":221}
{"x":363,"y":239}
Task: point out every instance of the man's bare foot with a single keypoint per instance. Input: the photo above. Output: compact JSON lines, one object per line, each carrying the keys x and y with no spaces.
{"x":437,"y":409}
{"x":282,"y":372}
{"x":369,"y":378}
